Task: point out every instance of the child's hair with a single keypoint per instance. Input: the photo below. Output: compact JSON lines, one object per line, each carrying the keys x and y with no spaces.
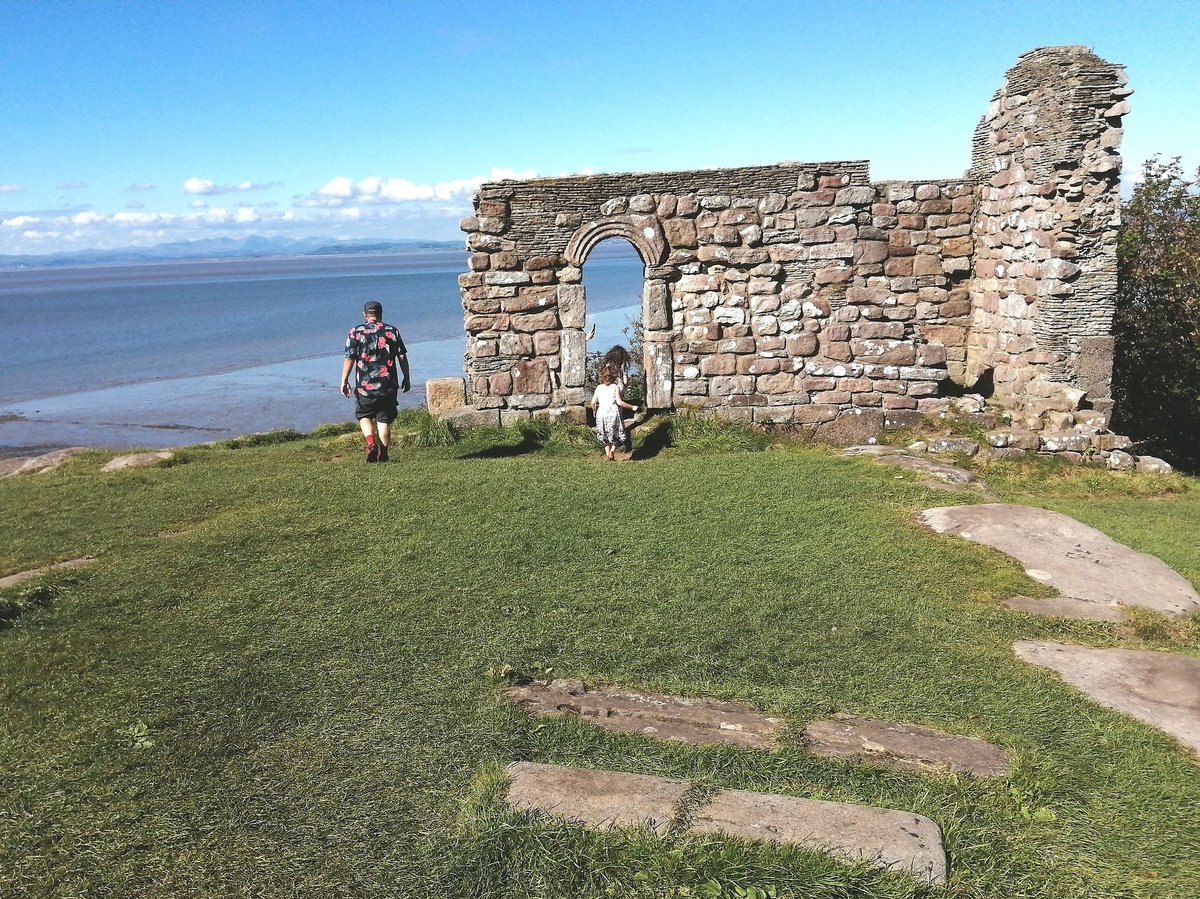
{"x":608,"y":375}
{"x":617,"y":358}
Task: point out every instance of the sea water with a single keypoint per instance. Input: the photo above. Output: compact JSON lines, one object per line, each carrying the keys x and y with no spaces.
{"x":167,"y":354}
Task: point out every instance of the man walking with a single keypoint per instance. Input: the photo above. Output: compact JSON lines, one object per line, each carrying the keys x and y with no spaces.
{"x":376,"y":352}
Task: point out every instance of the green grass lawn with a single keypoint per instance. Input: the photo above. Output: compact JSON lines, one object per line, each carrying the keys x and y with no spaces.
{"x":274,"y":681}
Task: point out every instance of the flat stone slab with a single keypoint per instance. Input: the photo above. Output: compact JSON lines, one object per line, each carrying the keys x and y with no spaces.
{"x":883,"y":838}
{"x":1065,"y":607}
{"x":1159,"y":688}
{"x":11,"y":466}
{"x":47,"y":461}
{"x":138,"y":460}
{"x":697,"y":721}
{"x":890,"y":455}
{"x":908,"y":747}
{"x":21,"y":577}
{"x":1078,"y":561}
{"x":599,"y":798}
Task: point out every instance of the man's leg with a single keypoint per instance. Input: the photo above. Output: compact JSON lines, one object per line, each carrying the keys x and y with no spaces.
{"x":371,"y":435}
{"x":383,"y":423}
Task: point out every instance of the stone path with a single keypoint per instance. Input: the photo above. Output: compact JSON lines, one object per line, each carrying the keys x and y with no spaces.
{"x":884,"y":838}
{"x":697,"y":721}
{"x":1159,"y":688}
{"x":21,"y":577}
{"x":706,"y":722}
{"x":1094,"y":573}
{"x":908,"y":747}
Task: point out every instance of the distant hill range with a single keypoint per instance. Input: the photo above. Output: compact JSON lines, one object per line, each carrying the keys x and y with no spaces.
{"x":228,"y":248}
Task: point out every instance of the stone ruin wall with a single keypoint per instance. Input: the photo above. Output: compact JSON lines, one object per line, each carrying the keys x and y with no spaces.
{"x":805,"y":293}
{"x":1045,"y":268}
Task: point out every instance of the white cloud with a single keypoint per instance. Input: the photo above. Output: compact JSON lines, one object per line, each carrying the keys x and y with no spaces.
{"x":209,"y":188}
{"x":11,"y":188}
{"x":342,"y":207}
{"x":140,"y":185}
{"x":375,"y":190}
{"x":338,"y":187}
{"x":141,"y":218}
{"x":71,"y":185}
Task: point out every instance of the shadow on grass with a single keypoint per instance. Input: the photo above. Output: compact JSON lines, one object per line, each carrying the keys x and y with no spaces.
{"x":655,"y":436}
{"x":530,"y":442}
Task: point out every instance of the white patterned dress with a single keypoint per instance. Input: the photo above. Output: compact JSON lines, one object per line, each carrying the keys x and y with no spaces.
{"x":610,"y":430}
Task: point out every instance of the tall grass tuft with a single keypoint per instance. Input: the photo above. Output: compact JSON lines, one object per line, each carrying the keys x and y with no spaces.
{"x":431,"y":431}
{"x":694,"y":431}
{"x":265,"y":438}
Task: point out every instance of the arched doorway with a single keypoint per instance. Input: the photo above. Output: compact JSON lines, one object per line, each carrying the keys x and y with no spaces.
{"x":646,"y":238}
{"x":613,"y":279}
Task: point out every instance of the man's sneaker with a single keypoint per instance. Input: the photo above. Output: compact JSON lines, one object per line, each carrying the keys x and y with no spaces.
{"x":383,"y":454}
{"x":372,"y":453}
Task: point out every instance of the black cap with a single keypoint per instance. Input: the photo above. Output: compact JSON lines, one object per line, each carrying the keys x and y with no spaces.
{"x":374,"y":307}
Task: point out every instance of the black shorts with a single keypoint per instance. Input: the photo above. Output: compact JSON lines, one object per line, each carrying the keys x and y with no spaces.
{"x":382,"y":408}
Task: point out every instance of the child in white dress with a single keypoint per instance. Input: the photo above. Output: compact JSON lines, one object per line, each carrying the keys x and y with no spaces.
{"x":607,"y":403}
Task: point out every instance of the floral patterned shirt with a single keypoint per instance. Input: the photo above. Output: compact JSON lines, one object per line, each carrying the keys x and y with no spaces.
{"x":375,"y":347}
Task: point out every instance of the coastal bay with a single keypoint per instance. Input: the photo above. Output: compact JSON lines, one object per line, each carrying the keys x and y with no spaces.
{"x":177,"y":353}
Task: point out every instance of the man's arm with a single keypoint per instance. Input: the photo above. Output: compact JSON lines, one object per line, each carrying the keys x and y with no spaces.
{"x":403,"y":360}
{"x":347,"y":364}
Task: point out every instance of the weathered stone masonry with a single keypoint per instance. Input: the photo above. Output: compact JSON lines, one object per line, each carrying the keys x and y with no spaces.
{"x":805,"y":293}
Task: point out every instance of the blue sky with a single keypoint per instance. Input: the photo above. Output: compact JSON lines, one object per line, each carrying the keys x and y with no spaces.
{"x":143,"y":122}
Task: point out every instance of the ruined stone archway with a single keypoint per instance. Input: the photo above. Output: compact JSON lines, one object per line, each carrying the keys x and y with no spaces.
{"x":807,"y":294}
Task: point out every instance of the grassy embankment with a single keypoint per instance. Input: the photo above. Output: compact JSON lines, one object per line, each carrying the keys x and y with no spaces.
{"x":275,"y":679}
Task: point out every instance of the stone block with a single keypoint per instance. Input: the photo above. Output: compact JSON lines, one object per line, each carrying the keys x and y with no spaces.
{"x":530,"y":300}
{"x":1154,"y":465}
{"x":719,"y":364}
{"x":1065,"y":441}
{"x":546,"y":343}
{"x":498,"y":279}
{"x":468,"y":418}
{"x":660,"y":376}
{"x":576,"y":415}
{"x":802,"y":345}
{"x":852,"y":427}
{"x":515,"y":344}
{"x":535,"y":321}
{"x":571,"y":305}
{"x":443,"y":394}
{"x":855,"y":196}
{"x":599,"y":798}
{"x":573,"y":348}
{"x":904,"y":746}
{"x":731,"y":386}
{"x":692,"y":720}
{"x":531,"y":376}
{"x":883,"y":838}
